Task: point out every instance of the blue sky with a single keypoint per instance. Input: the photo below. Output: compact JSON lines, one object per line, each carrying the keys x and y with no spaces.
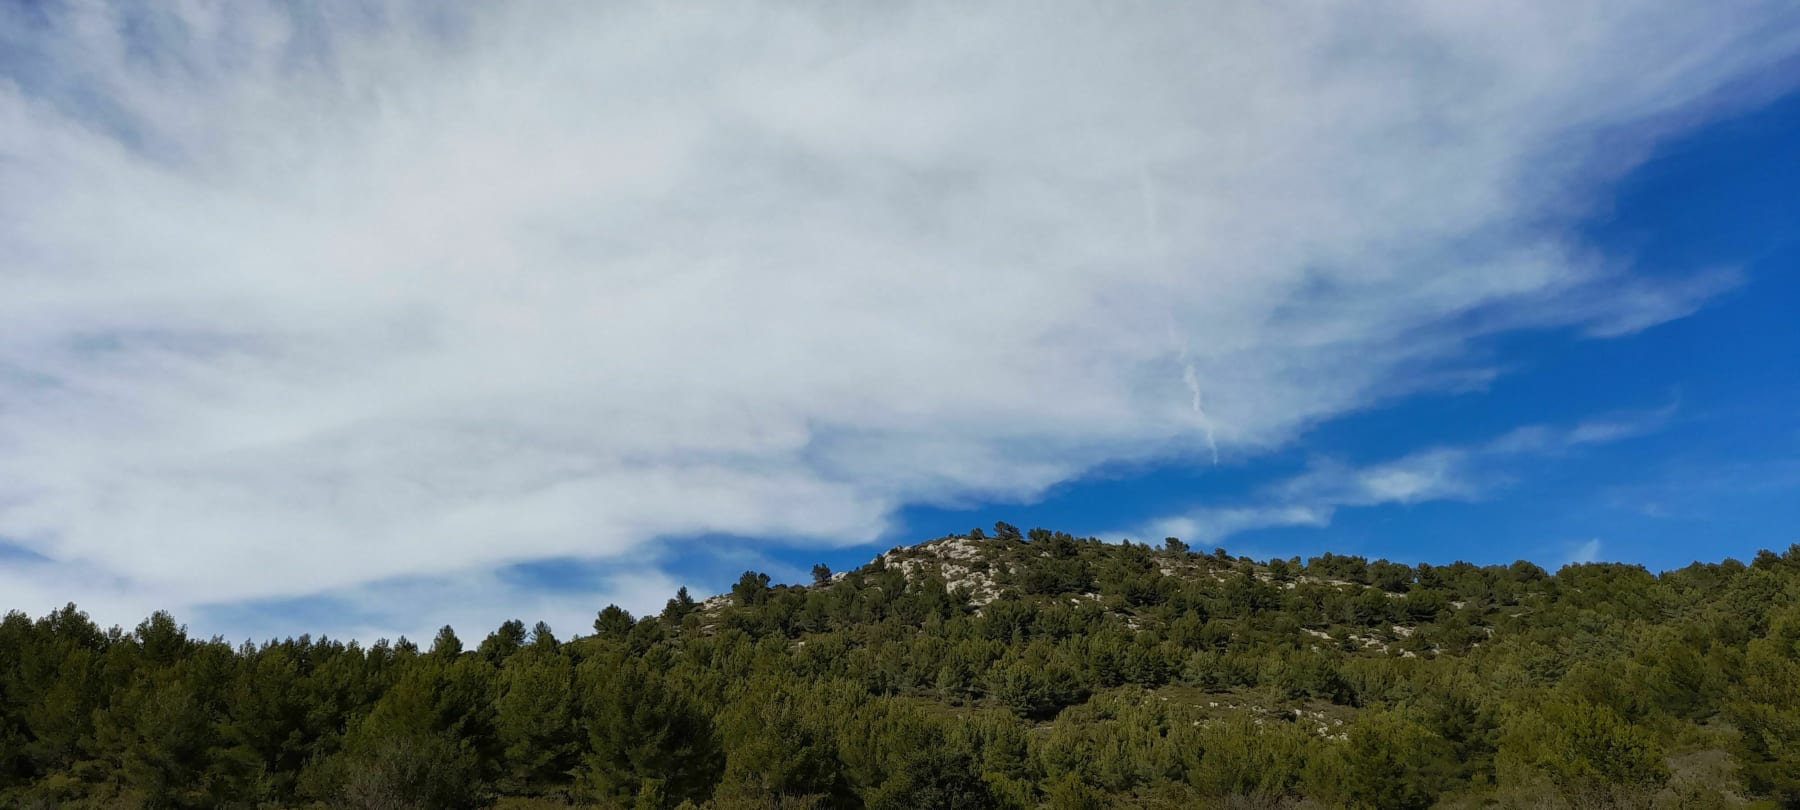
{"x":1715,"y":474}
{"x":1718,"y":476}
{"x":365,"y":319}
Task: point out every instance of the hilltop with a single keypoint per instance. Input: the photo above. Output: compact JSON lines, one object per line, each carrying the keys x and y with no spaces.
{"x":1006,"y":670}
{"x":1350,"y":602}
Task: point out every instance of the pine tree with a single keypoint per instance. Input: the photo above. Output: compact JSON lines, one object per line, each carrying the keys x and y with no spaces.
{"x":446,"y":645}
{"x":679,"y":607}
{"x":535,"y":723}
{"x":643,"y":735}
{"x":503,"y":642}
{"x":614,"y":622}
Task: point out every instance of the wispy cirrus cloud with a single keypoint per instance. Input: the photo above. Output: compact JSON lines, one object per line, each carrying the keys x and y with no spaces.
{"x":1550,"y":440}
{"x":1452,"y":473}
{"x":302,"y":301}
{"x":1212,"y":524}
{"x":1588,"y":551}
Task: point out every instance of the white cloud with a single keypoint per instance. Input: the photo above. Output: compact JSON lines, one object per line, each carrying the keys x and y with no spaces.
{"x":1586,"y":552}
{"x":1209,"y":525}
{"x":1647,"y":305}
{"x":1454,"y":473}
{"x":1429,"y":475}
{"x":1544,"y":439}
{"x":1312,"y":498}
{"x":297,"y":304}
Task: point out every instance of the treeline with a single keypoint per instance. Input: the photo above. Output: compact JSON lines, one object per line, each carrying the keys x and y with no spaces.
{"x":1018,"y":670}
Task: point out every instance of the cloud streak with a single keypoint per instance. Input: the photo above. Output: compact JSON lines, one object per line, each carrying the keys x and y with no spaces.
{"x":1587,"y":552}
{"x":301,"y":302}
{"x":1454,"y":473}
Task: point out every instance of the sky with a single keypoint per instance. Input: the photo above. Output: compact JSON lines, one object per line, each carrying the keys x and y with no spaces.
{"x":364,"y":318}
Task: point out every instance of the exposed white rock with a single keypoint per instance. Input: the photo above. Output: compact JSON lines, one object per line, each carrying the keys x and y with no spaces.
{"x":955,"y":559}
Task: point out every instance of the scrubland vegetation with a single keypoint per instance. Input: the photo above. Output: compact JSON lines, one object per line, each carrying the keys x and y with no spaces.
{"x":1002,"y":669}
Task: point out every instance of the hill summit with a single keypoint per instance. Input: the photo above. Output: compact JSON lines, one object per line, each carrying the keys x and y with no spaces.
{"x":1007,"y":670}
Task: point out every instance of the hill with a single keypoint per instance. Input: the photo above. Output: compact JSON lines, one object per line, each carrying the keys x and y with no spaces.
{"x":1016,"y":670}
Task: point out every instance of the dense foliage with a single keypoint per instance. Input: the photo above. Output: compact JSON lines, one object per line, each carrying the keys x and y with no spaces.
{"x":1007,"y":670}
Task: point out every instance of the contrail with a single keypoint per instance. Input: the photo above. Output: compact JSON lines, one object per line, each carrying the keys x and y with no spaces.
{"x":1189,"y":377}
{"x":1193,"y":383}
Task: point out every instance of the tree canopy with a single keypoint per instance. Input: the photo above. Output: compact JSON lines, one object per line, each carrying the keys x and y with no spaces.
{"x":1006,"y":670}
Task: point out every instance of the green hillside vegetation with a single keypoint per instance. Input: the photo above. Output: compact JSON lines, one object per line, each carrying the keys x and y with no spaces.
{"x":992,"y":670}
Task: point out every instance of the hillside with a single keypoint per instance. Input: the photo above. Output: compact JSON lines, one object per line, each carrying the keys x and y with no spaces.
{"x":1009,"y":669}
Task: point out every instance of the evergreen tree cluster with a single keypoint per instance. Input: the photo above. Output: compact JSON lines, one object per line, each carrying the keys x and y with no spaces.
{"x":1005,"y":670}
